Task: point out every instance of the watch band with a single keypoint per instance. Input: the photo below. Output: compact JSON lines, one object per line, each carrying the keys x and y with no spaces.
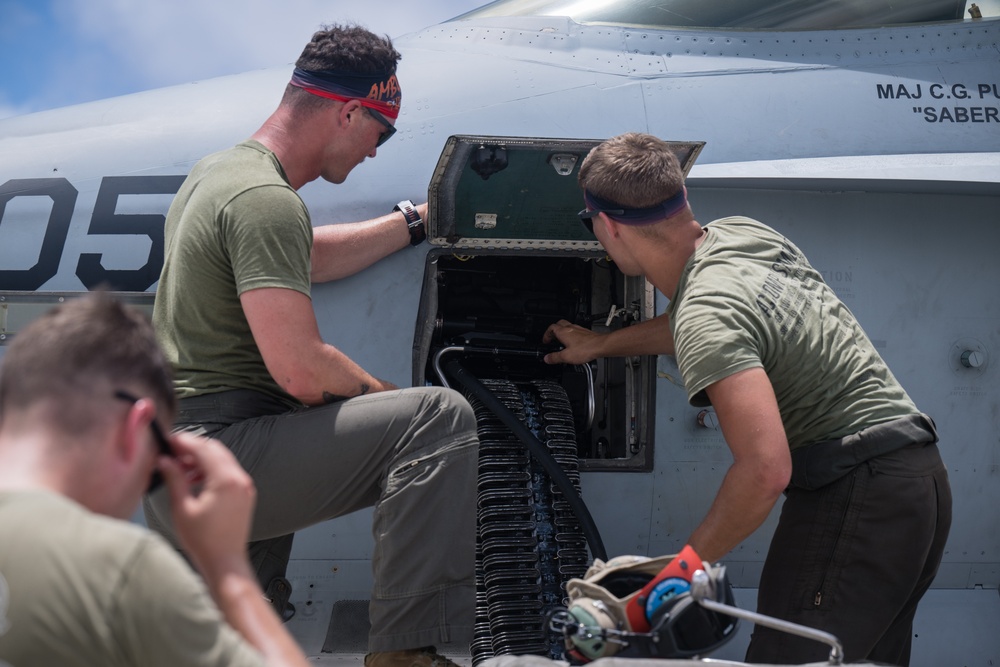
{"x":414,"y":223}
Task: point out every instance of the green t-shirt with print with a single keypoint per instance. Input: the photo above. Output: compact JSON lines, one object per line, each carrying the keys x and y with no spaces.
{"x":748,"y":298}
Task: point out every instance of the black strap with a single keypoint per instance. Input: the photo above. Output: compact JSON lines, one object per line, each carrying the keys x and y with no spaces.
{"x":821,"y":463}
{"x":414,"y":224}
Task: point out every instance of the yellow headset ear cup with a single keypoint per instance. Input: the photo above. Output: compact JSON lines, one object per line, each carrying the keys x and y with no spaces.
{"x":595,"y":617}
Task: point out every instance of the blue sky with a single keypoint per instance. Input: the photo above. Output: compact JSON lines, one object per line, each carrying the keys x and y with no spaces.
{"x":56,"y":53}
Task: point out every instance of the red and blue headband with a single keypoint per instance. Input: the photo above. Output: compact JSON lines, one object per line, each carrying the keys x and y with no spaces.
{"x":637,"y":216}
{"x":379,"y":91}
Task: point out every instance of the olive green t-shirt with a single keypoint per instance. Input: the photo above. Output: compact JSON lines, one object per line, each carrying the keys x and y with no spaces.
{"x":235,"y":225}
{"x":78,"y":589}
{"x":748,"y":298}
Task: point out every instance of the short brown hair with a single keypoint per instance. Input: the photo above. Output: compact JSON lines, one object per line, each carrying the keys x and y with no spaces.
{"x":634,"y":170}
{"x":87,"y":344}
{"x":349,"y":48}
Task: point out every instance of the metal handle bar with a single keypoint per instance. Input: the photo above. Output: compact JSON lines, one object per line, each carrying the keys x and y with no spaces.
{"x":703,"y":592}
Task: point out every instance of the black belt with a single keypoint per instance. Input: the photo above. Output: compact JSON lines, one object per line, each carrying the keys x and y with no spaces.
{"x":228,"y":407}
{"x":820,"y":463}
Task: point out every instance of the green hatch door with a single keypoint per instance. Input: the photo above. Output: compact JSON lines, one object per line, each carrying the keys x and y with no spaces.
{"x":515,"y":192}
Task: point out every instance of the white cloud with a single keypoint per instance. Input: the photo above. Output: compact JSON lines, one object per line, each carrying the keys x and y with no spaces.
{"x":87,"y":50}
{"x":83,"y":50}
{"x":184,"y":40}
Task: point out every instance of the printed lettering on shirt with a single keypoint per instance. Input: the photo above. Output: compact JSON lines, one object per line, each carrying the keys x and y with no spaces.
{"x":783,"y":296}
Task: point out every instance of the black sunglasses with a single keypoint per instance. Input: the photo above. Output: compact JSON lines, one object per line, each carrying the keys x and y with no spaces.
{"x":587,"y":216}
{"x":162,"y":444}
{"x":386,"y":134}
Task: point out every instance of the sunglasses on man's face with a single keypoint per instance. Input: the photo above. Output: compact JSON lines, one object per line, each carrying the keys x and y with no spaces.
{"x":587,"y":216}
{"x":389,"y":130}
{"x":162,"y":444}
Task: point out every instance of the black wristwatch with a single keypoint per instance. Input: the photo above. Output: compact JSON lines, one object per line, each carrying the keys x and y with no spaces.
{"x":414,"y":223}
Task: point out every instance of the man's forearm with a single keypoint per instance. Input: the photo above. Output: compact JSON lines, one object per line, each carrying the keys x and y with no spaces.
{"x":341,"y":250}
{"x":762,"y":463}
{"x":740,"y":507}
{"x":332,"y":376}
{"x":650,"y":337}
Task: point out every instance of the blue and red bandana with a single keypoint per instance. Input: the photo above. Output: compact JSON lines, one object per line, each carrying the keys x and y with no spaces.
{"x":637,"y":216}
{"x":379,"y":91}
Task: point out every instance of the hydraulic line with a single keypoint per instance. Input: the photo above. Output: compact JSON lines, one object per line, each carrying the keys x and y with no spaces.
{"x":498,"y":351}
{"x":538,"y":451}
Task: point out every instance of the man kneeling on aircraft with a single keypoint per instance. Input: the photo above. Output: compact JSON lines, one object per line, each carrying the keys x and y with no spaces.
{"x":85,"y":394}
{"x":805,"y":403}
{"x":320,"y":436}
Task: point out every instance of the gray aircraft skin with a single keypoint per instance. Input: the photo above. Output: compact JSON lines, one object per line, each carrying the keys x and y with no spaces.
{"x":869,"y":135}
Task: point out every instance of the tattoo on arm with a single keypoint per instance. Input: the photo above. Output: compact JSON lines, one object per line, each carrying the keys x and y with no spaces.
{"x":333,"y":398}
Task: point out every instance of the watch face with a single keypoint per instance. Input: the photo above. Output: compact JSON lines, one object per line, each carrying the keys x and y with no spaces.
{"x":408,"y":210}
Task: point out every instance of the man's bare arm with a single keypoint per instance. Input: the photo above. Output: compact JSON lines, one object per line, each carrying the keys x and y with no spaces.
{"x":343,"y":249}
{"x":762,"y":463}
{"x":582,"y":345}
{"x":284,"y":327}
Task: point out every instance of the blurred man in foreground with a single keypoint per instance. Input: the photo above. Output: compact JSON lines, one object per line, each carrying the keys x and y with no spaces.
{"x":85,"y":400}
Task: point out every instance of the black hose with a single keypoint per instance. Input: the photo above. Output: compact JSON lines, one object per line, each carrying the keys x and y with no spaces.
{"x":538,"y":451}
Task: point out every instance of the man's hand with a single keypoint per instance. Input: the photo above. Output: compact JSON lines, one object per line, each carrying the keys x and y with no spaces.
{"x":211,"y":499}
{"x":580,"y":345}
{"x":385,"y":385}
{"x":422,"y":211}
{"x":374,"y":388}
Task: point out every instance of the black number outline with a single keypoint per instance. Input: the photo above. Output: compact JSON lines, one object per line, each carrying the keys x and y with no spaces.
{"x":104,"y":220}
{"x":63,"y":196}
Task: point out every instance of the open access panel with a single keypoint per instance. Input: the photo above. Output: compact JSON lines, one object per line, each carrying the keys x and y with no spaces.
{"x":510,"y":258}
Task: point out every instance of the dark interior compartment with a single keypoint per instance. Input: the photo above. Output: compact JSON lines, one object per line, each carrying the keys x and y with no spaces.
{"x":491,"y":310}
